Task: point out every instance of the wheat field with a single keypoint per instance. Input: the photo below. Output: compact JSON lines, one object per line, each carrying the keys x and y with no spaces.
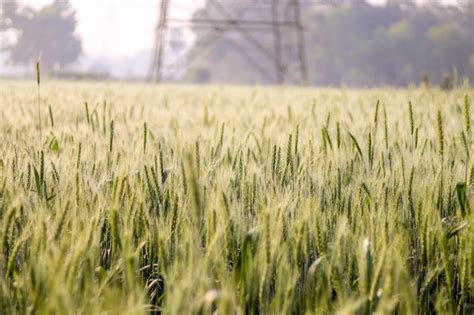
{"x":138,"y":199}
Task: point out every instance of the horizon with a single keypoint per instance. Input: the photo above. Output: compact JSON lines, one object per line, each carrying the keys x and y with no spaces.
{"x":121,"y":48}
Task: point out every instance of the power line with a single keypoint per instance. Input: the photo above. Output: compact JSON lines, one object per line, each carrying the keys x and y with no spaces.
{"x":284,"y":23}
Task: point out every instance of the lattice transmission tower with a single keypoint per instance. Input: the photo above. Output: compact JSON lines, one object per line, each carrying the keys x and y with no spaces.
{"x":276,"y":36}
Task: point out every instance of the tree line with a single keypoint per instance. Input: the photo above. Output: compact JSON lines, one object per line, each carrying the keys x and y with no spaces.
{"x":356,"y":43}
{"x":348,"y":42}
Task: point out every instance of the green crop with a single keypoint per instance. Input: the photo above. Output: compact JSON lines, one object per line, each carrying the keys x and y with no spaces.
{"x":235,"y":200}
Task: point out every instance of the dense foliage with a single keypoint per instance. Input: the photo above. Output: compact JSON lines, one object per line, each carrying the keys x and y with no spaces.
{"x":48,"y":33}
{"x":347,"y":42}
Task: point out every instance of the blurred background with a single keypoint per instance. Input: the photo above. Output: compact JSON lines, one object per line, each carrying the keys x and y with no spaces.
{"x":357,"y":43}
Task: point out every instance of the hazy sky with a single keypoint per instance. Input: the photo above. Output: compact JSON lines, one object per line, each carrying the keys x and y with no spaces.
{"x":118,"y":28}
{"x":121,"y":28}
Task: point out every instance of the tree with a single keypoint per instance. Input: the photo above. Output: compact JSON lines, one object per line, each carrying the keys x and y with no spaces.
{"x":49,"y":32}
{"x":356,"y":43}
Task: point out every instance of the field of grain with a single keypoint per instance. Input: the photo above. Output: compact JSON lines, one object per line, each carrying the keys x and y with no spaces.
{"x":231,"y":200}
